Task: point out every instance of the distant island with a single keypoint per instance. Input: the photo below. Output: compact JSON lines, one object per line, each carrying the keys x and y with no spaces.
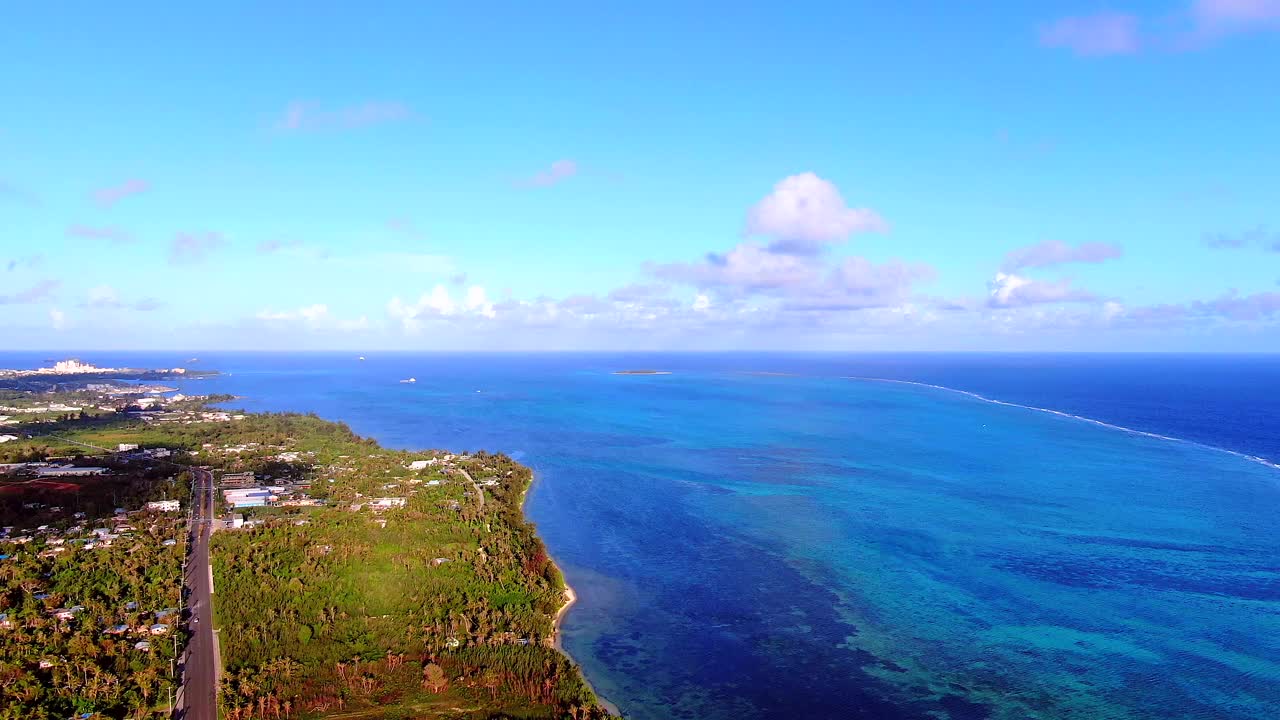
{"x":72,"y":369}
{"x":641,"y":372}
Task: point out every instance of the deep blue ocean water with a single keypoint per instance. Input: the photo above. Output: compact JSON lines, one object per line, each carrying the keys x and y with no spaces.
{"x":802,"y":544}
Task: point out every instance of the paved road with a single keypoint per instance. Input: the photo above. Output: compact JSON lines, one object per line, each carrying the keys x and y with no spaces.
{"x":197,"y":699}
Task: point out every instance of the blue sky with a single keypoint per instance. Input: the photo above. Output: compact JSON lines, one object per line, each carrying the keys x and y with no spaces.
{"x":825,"y":176}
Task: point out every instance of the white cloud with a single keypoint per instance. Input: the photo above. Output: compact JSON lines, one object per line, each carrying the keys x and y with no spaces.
{"x":748,"y":267}
{"x":439,"y":304}
{"x":805,"y":212}
{"x":1010,"y":290}
{"x":478,"y":302}
{"x":313,"y":317}
{"x":57,"y":319}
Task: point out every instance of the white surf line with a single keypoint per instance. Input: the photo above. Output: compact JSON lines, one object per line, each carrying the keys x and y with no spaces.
{"x":1081,"y":418}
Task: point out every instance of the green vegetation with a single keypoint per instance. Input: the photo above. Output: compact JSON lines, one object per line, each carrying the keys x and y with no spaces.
{"x":441,"y":607}
{"x":437,"y":601}
{"x":52,"y":667}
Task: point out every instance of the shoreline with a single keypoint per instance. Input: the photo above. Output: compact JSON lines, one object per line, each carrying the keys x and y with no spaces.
{"x":570,"y":599}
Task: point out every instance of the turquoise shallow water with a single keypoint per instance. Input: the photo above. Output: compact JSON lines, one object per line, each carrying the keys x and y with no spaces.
{"x":753,"y":545}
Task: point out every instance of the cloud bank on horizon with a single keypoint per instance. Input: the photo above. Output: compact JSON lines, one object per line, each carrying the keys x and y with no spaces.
{"x":1049,"y":179}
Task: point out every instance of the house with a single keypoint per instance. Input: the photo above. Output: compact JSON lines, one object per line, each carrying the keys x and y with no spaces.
{"x":142,"y":645}
{"x":163,"y":505}
{"x":67,"y":613}
{"x":422,"y":464}
{"x":126,"y":447}
{"x":5,"y":622}
{"x":7,"y":438}
{"x":169,"y":543}
{"x":158,"y":629}
{"x":390,"y":502}
{"x":117,"y":630}
{"x":242,"y":479}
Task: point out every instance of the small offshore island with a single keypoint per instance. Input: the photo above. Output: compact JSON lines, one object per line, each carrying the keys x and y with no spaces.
{"x":349,"y":579}
{"x":641,"y":372}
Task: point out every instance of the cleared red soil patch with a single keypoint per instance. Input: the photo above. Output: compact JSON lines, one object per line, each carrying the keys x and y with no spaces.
{"x":38,"y":484}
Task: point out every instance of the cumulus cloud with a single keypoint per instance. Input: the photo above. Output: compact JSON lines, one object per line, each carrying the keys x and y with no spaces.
{"x":105,"y":297}
{"x":188,"y":248}
{"x":797,"y":282}
{"x":747,"y":267}
{"x":109,"y":196}
{"x":1054,"y":252}
{"x":301,"y":116}
{"x":558,"y":172}
{"x":805,"y":212}
{"x":439,"y":304}
{"x":39,"y":292}
{"x":313,"y":317}
{"x":109,"y":234}
{"x":1107,"y":33}
{"x":1007,"y":290}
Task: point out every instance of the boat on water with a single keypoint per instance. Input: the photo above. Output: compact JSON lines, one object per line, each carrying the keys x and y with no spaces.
{"x":361,"y":358}
{"x":410,"y":380}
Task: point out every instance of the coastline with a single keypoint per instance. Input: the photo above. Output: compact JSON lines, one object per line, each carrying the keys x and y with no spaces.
{"x":570,"y":599}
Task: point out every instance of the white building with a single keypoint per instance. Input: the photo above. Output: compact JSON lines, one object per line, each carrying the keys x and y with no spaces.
{"x":7,"y":438}
{"x":126,"y":447}
{"x":70,"y":471}
{"x":163,"y":505}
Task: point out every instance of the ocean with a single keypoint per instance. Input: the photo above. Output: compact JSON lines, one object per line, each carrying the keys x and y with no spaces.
{"x":789,"y":536}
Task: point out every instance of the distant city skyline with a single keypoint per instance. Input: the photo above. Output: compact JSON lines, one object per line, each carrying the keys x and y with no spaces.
{"x":570,"y":176}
